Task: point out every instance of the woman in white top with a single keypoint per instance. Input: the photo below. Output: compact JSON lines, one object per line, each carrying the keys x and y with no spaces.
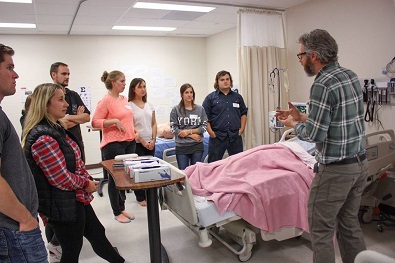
{"x":144,"y":124}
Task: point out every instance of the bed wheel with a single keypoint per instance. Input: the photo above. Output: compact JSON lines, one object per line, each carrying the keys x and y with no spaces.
{"x":245,"y":257}
{"x":380,"y":228}
{"x":215,"y":229}
{"x":365,"y":215}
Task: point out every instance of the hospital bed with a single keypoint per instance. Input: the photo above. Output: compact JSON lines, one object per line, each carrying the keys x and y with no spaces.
{"x":380,"y":153}
{"x":231,"y":229}
{"x":204,"y":219}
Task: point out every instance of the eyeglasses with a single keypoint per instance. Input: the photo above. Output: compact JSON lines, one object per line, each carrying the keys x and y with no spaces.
{"x":299,"y":55}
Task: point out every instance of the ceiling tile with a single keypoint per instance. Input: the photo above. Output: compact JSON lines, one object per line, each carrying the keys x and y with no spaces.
{"x":97,"y":17}
{"x":146,"y":13}
{"x":182,"y":15}
{"x":149,"y":22}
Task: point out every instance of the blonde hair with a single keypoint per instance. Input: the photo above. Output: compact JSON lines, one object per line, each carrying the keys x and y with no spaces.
{"x":109,"y":78}
{"x":41,"y":98}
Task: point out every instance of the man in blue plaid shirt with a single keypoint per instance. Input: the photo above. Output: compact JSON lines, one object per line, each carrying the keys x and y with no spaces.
{"x":335,"y":124}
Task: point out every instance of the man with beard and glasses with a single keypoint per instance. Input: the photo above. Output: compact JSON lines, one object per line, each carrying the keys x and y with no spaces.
{"x":335,"y":124}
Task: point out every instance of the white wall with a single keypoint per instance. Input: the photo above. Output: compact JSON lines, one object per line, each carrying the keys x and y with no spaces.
{"x":222,"y":55}
{"x":184,"y":59}
{"x":364,"y":31}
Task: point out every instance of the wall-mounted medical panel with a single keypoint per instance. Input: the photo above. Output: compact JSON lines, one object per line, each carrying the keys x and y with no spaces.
{"x":378,"y":93}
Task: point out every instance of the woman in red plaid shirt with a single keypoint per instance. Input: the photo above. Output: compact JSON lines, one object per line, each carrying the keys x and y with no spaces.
{"x":64,"y":186}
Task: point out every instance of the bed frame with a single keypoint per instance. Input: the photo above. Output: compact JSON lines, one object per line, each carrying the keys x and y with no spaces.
{"x":180,"y":200}
{"x":380,"y":152}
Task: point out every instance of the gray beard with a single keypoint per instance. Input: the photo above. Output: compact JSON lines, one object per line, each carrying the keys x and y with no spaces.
{"x":309,"y":69}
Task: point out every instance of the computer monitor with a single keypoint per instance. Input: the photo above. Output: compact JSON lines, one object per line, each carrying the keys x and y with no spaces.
{"x":302,"y":107}
{"x":274,"y":123}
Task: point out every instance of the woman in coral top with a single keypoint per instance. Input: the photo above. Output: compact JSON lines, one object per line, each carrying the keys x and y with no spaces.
{"x":114,"y":116}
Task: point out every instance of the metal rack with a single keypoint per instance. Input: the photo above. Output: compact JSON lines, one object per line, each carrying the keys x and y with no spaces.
{"x":273,"y":122}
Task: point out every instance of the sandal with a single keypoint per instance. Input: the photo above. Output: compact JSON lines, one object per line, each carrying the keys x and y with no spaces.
{"x":122,"y":221}
{"x":143,"y":203}
{"x":127,"y":215}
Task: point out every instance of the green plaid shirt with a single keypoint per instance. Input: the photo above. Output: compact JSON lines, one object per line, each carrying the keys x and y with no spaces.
{"x":335,"y":122}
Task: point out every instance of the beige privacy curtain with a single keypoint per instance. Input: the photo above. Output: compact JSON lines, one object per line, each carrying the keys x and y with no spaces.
{"x":261,"y":48}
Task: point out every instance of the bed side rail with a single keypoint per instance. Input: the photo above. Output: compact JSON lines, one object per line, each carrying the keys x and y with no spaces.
{"x":380,"y":151}
{"x":286,"y":135}
{"x":178,"y":198}
{"x":169,"y":156}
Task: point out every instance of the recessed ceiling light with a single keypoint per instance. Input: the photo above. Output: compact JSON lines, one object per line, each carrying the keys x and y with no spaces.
{"x":144,"y":28}
{"x":17,"y":1}
{"x":190,"y":8}
{"x":18,"y":25}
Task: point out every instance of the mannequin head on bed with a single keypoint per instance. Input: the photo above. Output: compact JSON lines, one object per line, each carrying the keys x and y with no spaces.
{"x":164,"y":131}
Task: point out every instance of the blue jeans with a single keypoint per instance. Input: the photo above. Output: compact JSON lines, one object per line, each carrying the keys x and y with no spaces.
{"x":22,"y":247}
{"x":217,"y":148}
{"x":185,"y":160}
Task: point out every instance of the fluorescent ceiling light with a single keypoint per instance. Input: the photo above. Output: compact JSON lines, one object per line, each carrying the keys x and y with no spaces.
{"x":18,"y":25}
{"x":190,"y":8}
{"x":144,"y":28}
{"x":17,"y":1}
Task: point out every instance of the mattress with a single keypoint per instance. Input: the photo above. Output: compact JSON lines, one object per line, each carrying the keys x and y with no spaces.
{"x":208,"y":213}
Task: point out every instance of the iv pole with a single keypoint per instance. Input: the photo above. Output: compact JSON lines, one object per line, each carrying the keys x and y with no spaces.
{"x":272,"y":75}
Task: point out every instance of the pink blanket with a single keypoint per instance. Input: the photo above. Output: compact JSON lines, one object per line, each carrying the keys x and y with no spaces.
{"x":267,"y":186}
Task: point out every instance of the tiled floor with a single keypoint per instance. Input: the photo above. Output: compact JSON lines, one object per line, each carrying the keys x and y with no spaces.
{"x":182,"y":244}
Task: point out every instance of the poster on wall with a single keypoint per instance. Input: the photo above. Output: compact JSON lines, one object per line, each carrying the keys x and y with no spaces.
{"x":85,"y":94}
{"x":24,"y":93}
{"x":163,"y":91}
